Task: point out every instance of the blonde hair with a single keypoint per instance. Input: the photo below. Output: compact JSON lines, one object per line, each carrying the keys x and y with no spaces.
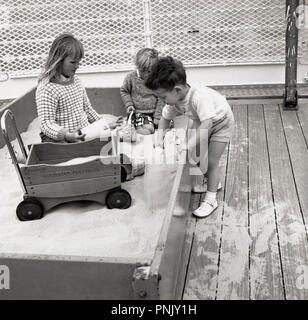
{"x":63,"y":46}
{"x":145,"y":59}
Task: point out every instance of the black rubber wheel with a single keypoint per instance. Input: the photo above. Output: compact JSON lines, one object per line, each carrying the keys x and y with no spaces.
{"x":123,"y":174}
{"x":118,"y":199}
{"x":29,"y":209}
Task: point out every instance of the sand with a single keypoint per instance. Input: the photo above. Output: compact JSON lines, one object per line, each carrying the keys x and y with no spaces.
{"x":87,"y":228}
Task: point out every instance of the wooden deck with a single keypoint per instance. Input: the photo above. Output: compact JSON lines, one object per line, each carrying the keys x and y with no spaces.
{"x":255,"y":245}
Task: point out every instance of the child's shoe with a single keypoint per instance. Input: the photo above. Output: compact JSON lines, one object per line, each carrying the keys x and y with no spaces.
{"x":205,"y":209}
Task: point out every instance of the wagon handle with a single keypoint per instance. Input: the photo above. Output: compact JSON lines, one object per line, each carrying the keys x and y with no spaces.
{"x":8,"y":113}
{"x":129,"y":118}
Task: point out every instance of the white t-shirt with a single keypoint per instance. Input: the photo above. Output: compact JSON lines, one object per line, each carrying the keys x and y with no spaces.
{"x":208,"y":104}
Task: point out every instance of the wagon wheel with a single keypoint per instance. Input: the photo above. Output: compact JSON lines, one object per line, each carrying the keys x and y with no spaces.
{"x":118,"y":199}
{"x":123,"y":174}
{"x":29,"y":209}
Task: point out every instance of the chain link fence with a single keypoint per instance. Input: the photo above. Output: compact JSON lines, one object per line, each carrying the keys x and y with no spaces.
{"x":199,"y":32}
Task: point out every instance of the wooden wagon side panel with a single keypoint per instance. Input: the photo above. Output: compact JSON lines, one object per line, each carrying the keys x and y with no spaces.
{"x":74,"y":188}
{"x":59,"y":152}
{"x":41,"y":174}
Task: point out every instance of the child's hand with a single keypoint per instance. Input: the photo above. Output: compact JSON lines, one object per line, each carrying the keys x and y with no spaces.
{"x":117,"y":123}
{"x":130,"y":109}
{"x":74,"y":136}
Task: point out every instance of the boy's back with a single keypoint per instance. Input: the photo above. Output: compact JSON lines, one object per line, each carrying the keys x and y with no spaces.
{"x":206,"y":102}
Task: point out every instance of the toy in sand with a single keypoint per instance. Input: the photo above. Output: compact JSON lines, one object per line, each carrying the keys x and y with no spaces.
{"x":127,"y":131}
{"x":98,"y":129}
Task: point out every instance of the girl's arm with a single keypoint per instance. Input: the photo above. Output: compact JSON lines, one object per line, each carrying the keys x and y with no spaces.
{"x":87,"y":107}
{"x":125,"y":92}
{"x":46,"y":109}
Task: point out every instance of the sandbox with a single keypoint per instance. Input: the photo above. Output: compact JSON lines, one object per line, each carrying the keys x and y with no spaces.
{"x":83,"y":250}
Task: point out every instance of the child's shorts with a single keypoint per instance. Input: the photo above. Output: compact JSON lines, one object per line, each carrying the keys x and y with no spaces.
{"x":222,"y":129}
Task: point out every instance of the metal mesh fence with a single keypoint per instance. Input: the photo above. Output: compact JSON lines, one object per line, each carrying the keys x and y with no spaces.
{"x":218,"y":32}
{"x":195,"y":31}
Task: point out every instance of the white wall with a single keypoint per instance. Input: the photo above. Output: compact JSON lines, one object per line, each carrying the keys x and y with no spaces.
{"x":214,"y":75}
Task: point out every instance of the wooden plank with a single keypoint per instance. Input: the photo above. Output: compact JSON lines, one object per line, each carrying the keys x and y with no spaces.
{"x":43,"y":174}
{"x":162,"y":252}
{"x":299,"y":158}
{"x":36,"y":279}
{"x":185,"y":259}
{"x":183,"y":196}
{"x":291,"y":230}
{"x":64,"y":151}
{"x":169,"y":258}
{"x":233,"y":276}
{"x":74,"y":187}
{"x":254,"y":101}
{"x":265,"y":269}
{"x":173,"y":260}
{"x":236,"y":199}
{"x":202,"y":271}
{"x":233,"y":273}
{"x":303,"y":119}
{"x":189,"y":236}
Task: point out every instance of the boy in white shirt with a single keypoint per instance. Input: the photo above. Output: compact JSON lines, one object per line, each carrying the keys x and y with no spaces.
{"x":210,"y":115}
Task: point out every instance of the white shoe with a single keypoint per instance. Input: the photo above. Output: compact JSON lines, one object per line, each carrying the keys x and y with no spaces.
{"x":203,"y":187}
{"x":205,"y":209}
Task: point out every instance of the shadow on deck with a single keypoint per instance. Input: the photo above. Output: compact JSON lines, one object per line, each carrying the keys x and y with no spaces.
{"x":254,"y":246}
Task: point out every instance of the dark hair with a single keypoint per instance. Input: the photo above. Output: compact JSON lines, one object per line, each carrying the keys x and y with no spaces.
{"x":166,"y":73}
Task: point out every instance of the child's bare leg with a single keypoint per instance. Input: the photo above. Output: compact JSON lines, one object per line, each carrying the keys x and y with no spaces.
{"x":215,"y":152}
{"x":209,"y":203}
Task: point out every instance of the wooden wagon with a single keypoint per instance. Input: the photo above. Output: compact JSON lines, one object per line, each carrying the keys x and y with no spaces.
{"x":48,"y":178}
{"x":41,"y":276}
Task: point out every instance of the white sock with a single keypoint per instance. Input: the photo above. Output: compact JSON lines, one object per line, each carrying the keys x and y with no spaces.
{"x":210,"y":196}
